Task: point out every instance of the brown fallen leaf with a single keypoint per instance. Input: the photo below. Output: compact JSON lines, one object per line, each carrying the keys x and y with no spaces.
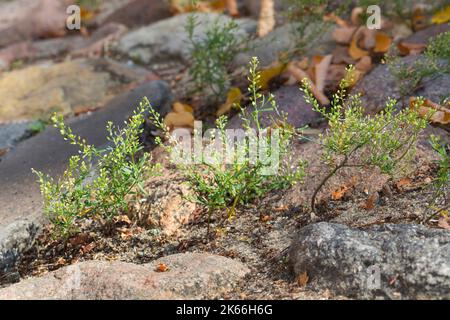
{"x":343,"y":35}
{"x":232,"y":8}
{"x":437,"y":114}
{"x":126,"y":234}
{"x":354,"y":50}
{"x":356,"y":15}
{"x":444,"y":222}
{"x":402,"y":184}
{"x":365,"y":64}
{"x":266,"y":21}
{"x":371,"y":201}
{"x":321,"y":71}
{"x":383,"y":42}
{"x":302,"y":279}
{"x":409,"y":48}
{"x":419,"y":20}
{"x":299,"y":74}
{"x":162,"y":267}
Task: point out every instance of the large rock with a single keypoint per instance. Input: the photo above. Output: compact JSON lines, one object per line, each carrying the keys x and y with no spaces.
{"x":388,"y":261}
{"x":12,"y":133}
{"x":38,"y":91}
{"x":189,"y":276}
{"x":166,"y":40}
{"x":290,"y":100}
{"x":22,"y":20}
{"x":281,"y":40}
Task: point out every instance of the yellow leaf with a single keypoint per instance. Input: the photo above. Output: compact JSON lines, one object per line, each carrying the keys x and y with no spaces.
{"x":268,"y":74}
{"x":382,"y":42}
{"x":438,"y":114}
{"x":179,"y":119}
{"x":354,"y":51}
{"x":182,"y":107}
{"x":442,"y":16}
{"x":234,"y":96}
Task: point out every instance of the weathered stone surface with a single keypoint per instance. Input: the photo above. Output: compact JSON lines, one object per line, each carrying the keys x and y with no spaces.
{"x":48,"y":152}
{"x":29,"y":19}
{"x":189,"y":276}
{"x":280,"y":40}
{"x":166,"y":207}
{"x":135,"y":12}
{"x":11,"y":133}
{"x":165,"y":40}
{"x":16,"y":238}
{"x":39,"y":90}
{"x":379,"y":85}
{"x":290,"y":100}
{"x":413,"y":261}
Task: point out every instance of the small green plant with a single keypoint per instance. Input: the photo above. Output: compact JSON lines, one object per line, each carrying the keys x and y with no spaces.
{"x":212,"y":55}
{"x":354,"y":139}
{"x":220,"y":184}
{"x":442,"y":181}
{"x":435,"y":62}
{"x":307,"y":23}
{"x":97,"y":190}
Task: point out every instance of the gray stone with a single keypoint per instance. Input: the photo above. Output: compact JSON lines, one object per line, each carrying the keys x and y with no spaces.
{"x":16,"y":238}
{"x":165,"y":40}
{"x":412,"y":261}
{"x":12,"y":133}
{"x":279,"y":41}
{"x":189,"y":276}
{"x":380,"y":85}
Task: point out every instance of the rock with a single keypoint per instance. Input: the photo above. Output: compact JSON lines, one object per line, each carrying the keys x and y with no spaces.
{"x":280,"y":40}
{"x":189,"y":276}
{"x":16,"y":238}
{"x":290,"y":100}
{"x":55,"y":48}
{"x":391,"y":261}
{"x":379,"y":85}
{"x":39,"y":90}
{"x":48,"y":152}
{"x":12,"y":133}
{"x":424,"y":36}
{"x":165,"y":40}
{"x":166,"y":207}
{"x":135,"y":13}
{"x":30,"y":19}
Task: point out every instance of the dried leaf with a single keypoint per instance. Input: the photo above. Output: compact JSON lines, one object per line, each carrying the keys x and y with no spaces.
{"x":321,"y":71}
{"x":438,"y":114}
{"x":408,"y":48}
{"x":269,"y":73}
{"x":442,"y":16}
{"x":383,"y":42}
{"x":299,"y":74}
{"x":418,"y":19}
{"x":126,"y":234}
{"x":266,"y":21}
{"x":302,"y":279}
{"x":365,"y":64}
{"x":444,"y":222}
{"x":371,"y":201}
{"x":234,"y":96}
{"x":402,"y":184}
{"x":344,"y":35}
{"x":162,"y":267}
{"x":232,"y":7}
{"x":354,"y":51}
{"x":182,"y":107}
{"x":179,"y":119}
{"x":356,"y":15}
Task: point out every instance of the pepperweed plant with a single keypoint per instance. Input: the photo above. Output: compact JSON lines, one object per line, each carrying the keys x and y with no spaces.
{"x":237,"y":166}
{"x":97,"y":190}
{"x":354,"y":139}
